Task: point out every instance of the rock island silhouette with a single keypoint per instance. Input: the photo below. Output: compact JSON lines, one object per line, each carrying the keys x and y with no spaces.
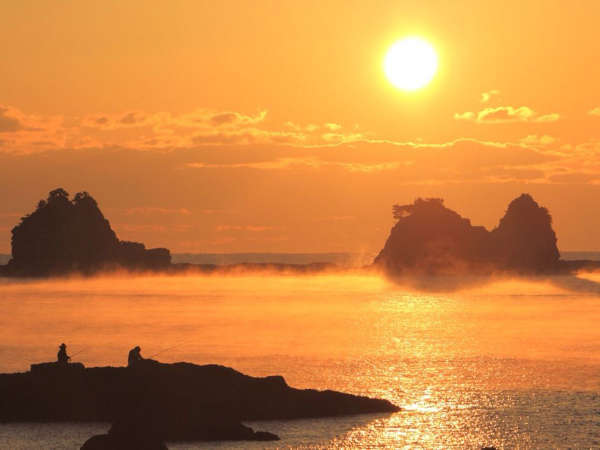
{"x":66,"y":235}
{"x":430,"y":238}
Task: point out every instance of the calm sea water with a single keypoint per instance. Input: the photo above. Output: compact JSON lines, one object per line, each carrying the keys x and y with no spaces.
{"x":508,"y":363}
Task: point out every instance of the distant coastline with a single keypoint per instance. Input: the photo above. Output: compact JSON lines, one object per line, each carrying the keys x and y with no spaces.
{"x":341,"y":259}
{"x":350,"y":260}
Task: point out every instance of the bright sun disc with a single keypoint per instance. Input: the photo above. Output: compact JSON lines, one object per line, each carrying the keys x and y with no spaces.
{"x":410,"y":63}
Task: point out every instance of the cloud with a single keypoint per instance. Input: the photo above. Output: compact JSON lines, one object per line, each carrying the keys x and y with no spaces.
{"x":298,"y":163}
{"x":141,"y":228}
{"x":574,"y":178}
{"x":247,"y":136}
{"x":135,"y":228}
{"x":145,"y":211}
{"x":276,"y":164}
{"x":223,"y":118}
{"x":251,"y":142}
{"x":27,"y":133}
{"x":132,"y":118}
{"x":218,"y":177}
{"x":333,"y":126}
{"x":9,"y":123}
{"x":534,"y":139}
{"x":553,"y":117}
{"x":457,"y":161}
{"x":486,"y":96}
{"x":595,"y":111}
{"x":464,"y":116}
{"x":506,"y":114}
{"x":209,"y":211}
{"x":163,"y":131}
{"x":127,"y":120}
{"x":367,"y":168}
{"x":308,"y":128}
{"x":234,"y":118}
{"x":507,"y":173}
{"x":251,"y":228}
{"x":341,"y":137}
{"x":334,"y":219}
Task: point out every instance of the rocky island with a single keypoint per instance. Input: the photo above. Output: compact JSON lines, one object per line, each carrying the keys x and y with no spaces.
{"x":429,"y":238}
{"x":64,"y":236}
{"x":158,"y":402}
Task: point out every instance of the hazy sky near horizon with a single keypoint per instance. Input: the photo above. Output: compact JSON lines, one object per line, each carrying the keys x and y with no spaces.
{"x":237,"y":126}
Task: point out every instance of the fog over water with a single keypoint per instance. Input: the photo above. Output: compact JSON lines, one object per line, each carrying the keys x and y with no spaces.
{"x":505,"y":362}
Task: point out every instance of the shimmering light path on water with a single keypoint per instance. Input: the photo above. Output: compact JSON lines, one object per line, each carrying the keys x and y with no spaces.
{"x":504,"y":363}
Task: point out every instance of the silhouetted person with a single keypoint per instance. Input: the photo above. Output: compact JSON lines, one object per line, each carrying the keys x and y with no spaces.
{"x":62,"y":356}
{"x":134,"y":356}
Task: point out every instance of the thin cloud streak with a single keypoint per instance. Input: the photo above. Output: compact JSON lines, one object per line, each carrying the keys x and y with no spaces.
{"x":506,"y":114}
{"x":161,"y":131}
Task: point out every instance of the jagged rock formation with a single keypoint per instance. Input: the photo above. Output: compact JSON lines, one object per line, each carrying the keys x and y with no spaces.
{"x":64,"y":235}
{"x":524,"y":240}
{"x":179,"y":401}
{"x":432,"y":239}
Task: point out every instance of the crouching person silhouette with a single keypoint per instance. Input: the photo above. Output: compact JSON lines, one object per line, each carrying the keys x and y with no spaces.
{"x":62,"y":356}
{"x":134,"y":356}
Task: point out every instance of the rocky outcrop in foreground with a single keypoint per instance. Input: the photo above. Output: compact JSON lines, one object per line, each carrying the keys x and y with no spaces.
{"x":179,"y":401}
{"x":432,"y":239}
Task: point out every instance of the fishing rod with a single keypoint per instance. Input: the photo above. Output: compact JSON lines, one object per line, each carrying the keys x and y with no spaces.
{"x":168,"y":348}
{"x":80,"y":351}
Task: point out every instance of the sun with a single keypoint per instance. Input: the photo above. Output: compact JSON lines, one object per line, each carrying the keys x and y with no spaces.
{"x":410,"y":63}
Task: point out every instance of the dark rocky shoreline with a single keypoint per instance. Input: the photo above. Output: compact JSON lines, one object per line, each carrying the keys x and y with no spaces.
{"x":180,"y":401}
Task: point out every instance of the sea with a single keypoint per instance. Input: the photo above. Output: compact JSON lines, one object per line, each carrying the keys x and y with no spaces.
{"x":508,"y":363}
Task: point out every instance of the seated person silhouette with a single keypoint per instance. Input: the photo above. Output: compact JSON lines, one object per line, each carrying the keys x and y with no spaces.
{"x":134,"y":356}
{"x":62,"y":356}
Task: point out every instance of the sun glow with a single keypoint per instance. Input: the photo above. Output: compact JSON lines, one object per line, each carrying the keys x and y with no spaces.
{"x":410,"y":63}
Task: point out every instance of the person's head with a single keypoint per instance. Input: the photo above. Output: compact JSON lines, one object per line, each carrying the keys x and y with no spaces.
{"x":63,"y":346}
{"x":137,"y":349}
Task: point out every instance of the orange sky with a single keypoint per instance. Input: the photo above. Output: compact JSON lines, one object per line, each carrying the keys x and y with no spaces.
{"x":239,"y":126}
